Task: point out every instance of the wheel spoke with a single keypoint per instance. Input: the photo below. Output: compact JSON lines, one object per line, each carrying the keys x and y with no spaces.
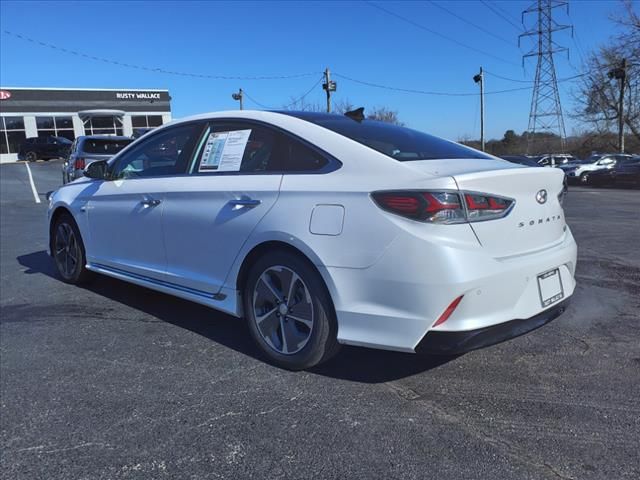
{"x":292,"y":286}
{"x":304,"y":321}
{"x":273,"y":289}
{"x":283,"y":335}
{"x":262,"y":318}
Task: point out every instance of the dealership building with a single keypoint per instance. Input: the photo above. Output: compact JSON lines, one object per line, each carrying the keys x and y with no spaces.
{"x":71,"y":112}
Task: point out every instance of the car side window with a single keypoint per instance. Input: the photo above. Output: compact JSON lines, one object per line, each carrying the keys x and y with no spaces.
{"x":163,"y":154}
{"x":238,"y":147}
{"x":300,"y":158}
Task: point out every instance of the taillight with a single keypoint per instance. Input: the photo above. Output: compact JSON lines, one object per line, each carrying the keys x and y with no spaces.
{"x":481,"y":206}
{"x":432,"y":207}
{"x":444,"y":207}
{"x":80,"y":164}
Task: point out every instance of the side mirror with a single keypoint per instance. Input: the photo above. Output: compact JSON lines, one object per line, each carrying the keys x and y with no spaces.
{"x":97,"y":170}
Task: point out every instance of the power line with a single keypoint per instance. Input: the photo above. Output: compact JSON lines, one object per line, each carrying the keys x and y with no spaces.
{"x":510,"y":15}
{"x":499,"y":14}
{"x":441,"y":35}
{"x":155,"y":69}
{"x":302,"y":97}
{"x":507,"y":78}
{"x":425,"y":92}
{"x":468,"y":22}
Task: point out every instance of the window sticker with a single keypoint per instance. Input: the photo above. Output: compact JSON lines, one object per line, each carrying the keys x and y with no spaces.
{"x":223,"y":151}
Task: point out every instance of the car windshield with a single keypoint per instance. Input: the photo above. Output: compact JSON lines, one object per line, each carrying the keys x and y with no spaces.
{"x":104,"y":146}
{"x":593,"y":158}
{"x":400,"y":143}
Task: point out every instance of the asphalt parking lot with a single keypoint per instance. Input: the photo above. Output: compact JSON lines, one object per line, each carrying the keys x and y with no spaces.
{"x":115,"y":381}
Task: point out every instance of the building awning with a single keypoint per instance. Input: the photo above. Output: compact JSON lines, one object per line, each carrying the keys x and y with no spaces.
{"x":87,"y":114}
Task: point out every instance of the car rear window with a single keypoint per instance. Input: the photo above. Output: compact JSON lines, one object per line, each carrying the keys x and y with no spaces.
{"x":104,"y":146}
{"x":400,"y":143}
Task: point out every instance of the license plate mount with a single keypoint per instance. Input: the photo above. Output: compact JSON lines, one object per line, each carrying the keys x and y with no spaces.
{"x":550,"y":287}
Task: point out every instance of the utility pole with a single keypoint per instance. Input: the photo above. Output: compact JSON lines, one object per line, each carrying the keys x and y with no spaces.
{"x":546,"y":112}
{"x":239,"y":96}
{"x":620,"y":73}
{"x":329,"y":86}
{"x":479,"y":78}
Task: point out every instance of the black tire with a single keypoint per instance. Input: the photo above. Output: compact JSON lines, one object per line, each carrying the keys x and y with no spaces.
{"x":321,"y":339}
{"x":70,"y":271}
{"x":584,"y":178}
{"x":31,"y":156}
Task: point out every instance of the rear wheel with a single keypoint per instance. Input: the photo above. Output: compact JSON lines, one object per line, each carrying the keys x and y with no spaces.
{"x":31,"y":157}
{"x":584,"y":178}
{"x":289,"y":311}
{"x":68,"y":251}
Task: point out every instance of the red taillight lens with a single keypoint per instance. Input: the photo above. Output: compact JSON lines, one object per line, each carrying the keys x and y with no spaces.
{"x":481,"y":206}
{"x":433,"y":207}
{"x":444,"y":207}
{"x":447,"y":313}
{"x":80,"y":163}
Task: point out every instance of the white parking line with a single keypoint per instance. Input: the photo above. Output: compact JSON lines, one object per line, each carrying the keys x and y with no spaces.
{"x":33,"y":185}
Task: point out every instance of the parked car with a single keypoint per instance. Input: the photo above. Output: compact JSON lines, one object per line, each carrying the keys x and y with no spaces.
{"x":324,"y":230}
{"x":87,"y":149}
{"x":521,"y":160}
{"x":626,"y":171}
{"x":597,"y":162}
{"x":44,"y":148}
{"x":555,"y":160}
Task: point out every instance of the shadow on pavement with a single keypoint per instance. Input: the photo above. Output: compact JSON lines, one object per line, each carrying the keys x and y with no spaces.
{"x":352,"y":363}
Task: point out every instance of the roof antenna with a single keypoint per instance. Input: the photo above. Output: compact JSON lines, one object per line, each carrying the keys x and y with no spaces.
{"x":357,"y":114}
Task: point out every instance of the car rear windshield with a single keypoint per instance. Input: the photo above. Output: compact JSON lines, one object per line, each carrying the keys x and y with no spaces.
{"x":104,"y":146}
{"x":400,"y":143}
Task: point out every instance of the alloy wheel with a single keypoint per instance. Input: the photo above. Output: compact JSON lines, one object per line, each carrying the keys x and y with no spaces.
{"x":283,"y":309}
{"x":67,"y":250}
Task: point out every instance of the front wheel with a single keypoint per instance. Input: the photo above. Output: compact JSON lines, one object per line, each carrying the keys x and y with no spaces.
{"x":68,"y":251}
{"x":31,"y":157}
{"x":289,"y":311}
{"x":584,"y":178}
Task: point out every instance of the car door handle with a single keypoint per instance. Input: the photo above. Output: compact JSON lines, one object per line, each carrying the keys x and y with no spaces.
{"x":244,"y":202}
{"x":150,"y":203}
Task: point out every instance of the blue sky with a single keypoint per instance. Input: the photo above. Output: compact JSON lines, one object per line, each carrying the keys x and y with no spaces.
{"x":266,"y":38}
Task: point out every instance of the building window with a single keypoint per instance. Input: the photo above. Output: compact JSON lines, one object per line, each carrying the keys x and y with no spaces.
{"x":12,"y":134}
{"x":55,"y":127}
{"x":146,"y":121}
{"x":109,"y":125}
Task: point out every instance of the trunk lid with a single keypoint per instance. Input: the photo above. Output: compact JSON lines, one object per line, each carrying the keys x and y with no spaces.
{"x":531,"y":225}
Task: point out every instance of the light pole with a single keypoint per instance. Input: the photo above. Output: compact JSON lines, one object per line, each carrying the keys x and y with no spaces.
{"x":479,"y":78}
{"x":238,"y":96}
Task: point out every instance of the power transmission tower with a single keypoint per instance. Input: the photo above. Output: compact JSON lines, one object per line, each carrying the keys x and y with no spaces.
{"x":546,"y":112}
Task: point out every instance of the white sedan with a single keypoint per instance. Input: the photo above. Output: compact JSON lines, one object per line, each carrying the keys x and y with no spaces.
{"x":323,"y":230}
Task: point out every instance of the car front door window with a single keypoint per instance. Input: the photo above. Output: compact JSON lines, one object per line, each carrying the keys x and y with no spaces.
{"x":164,"y":154}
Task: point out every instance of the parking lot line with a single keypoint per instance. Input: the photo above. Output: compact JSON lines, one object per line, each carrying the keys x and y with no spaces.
{"x":33,"y":185}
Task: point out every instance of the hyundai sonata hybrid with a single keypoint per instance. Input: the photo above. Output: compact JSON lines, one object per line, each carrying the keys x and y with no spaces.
{"x":325,"y":229}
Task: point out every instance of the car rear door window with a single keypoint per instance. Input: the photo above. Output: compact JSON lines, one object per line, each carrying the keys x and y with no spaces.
{"x":166,"y":153}
{"x":266,"y":150}
{"x":240,"y":147}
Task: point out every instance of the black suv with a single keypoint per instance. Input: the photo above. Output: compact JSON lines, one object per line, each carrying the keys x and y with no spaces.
{"x":45,"y":148}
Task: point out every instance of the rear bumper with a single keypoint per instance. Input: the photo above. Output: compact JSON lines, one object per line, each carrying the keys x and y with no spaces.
{"x":452,"y":343}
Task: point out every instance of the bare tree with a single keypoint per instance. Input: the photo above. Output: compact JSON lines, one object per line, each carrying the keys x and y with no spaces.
{"x":597,"y":95}
{"x":385,"y":114}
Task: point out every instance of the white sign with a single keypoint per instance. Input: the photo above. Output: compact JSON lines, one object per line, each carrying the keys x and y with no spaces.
{"x":137,"y":96}
{"x":223,"y":151}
